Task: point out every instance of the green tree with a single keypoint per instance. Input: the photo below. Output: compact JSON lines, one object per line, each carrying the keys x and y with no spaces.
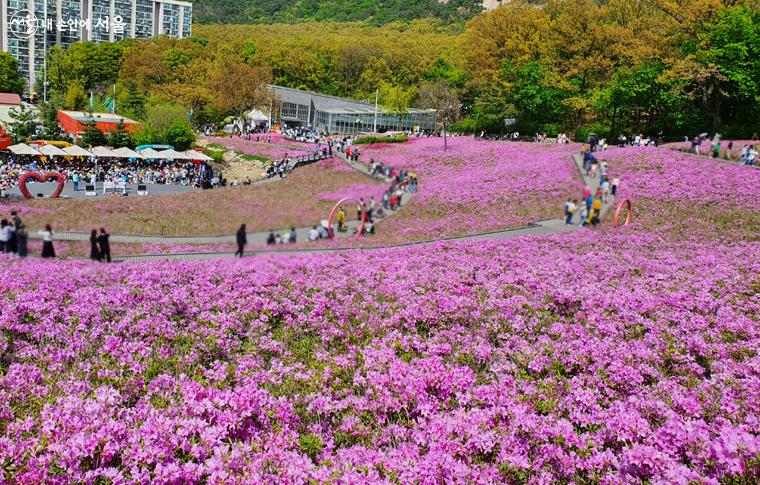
{"x":397,"y":99}
{"x":131,"y":102}
{"x":11,"y":80}
{"x":146,"y":136}
{"x":541,"y":107}
{"x":732,"y":45}
{"x":160,"y":117}
{"x":119,"y":137}
{"x":24,"y":124}
{"x":75,"y":97}
{"x":50,"y":125}
{"x":180,"y":135}
{"x":92,"y":135}
{"x":639,"y":99}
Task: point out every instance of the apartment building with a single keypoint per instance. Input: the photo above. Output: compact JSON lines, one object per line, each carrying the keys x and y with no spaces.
{"x":29,"y":27}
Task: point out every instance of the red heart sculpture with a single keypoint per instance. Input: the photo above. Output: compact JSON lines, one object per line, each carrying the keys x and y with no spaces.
{"x":39,"y":177}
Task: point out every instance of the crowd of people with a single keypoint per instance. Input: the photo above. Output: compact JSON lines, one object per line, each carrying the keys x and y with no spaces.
{"x":84,"y":170}
{"x":14,"y":236}
{"x":14,"y":240}
{"x":747,"y":155}
{"x":590,"y":206}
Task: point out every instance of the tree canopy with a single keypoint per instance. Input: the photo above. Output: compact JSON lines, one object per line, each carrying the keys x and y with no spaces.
{"x":612,"y":66}
{"x":11,"y":80}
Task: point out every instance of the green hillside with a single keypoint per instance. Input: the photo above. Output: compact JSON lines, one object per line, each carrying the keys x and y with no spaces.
{"x":374,"y":11}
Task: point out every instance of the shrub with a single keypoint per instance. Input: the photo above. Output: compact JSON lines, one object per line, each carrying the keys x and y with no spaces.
{"x":369,"y":140}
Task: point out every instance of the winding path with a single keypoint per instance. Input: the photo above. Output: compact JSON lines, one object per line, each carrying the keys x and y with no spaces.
{"x":549,"y":226}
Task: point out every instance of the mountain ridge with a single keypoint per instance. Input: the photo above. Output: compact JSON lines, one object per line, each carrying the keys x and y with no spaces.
{"x":373,"y":11}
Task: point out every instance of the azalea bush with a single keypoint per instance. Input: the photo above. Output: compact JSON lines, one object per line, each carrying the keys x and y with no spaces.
{"x":611,"y":358}
{"x":477,"y":186}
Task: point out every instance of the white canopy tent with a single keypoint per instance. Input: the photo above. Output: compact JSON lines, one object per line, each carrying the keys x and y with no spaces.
{"x":256,"y":115}
{"x":103,"y":152}
{"x":77,"y":151}
{"x":125,"y":152}
{"x":22,"y":149}
{"x":196,"y":155}
{"x":52,"y":151}
{"x":149,"y":153}
{"x":172,"y":155}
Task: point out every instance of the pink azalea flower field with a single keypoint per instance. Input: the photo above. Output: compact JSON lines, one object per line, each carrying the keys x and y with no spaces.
{"x":682,"y":195}
{"x":582,"y":357}
{"x":477,"y":186}
{"x":610,"y":356}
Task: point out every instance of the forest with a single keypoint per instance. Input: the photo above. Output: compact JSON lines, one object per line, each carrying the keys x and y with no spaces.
{"x":376,"y":12}
{"x":619,"y":66}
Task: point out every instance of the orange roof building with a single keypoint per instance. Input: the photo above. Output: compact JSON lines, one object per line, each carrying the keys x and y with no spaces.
{"x":73,"y":122}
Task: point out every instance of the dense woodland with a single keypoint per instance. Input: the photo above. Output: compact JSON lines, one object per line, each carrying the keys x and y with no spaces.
{"x":376,"y":12}
{"x":651,"y":66}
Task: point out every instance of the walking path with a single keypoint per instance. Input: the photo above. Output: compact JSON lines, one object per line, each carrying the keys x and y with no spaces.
{"x":259,"y":238}
{"x":549,"y":226}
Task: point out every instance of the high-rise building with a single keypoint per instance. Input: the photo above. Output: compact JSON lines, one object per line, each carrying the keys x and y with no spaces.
{"x":29,"y":27}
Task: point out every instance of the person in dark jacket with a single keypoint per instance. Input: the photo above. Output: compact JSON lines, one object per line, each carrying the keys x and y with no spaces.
{"x":242,"y":240}
{"x":104,"y":245}
{"x":22,"y":237}
{"x":48,"y":251}
{"x":16,"y":219}
{"x":94,"y":250}
{"x":13,"y":241}
{"x":271,"y":238}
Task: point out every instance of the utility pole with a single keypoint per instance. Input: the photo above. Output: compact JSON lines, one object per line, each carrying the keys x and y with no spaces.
{"x":377,"y":94}
{"x":44,"y":58}
{"x":271,"y":107}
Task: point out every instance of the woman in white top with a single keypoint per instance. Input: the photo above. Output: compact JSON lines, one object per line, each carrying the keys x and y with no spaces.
{"x":6,"y":231}
{"x":47,"y":242}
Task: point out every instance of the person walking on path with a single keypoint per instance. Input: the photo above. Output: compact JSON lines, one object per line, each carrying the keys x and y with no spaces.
{"x":584,"y":216}
{"x":48,"y":251}
{"x":716,"y":149}
{"x":22,"y":239}
{"x":615,"y":184}
{"x":75,"y":180}
{"x":94,"y":251}
{"x":341,"y":219}
{"x":570,"y":209}
{"x":360,"y":209}
{"x":104,"y":245}
{"x":242,"y":240}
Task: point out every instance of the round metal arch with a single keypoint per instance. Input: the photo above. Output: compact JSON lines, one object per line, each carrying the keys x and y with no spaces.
{"x":629,"y":217}
{"x":334,"y":211}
